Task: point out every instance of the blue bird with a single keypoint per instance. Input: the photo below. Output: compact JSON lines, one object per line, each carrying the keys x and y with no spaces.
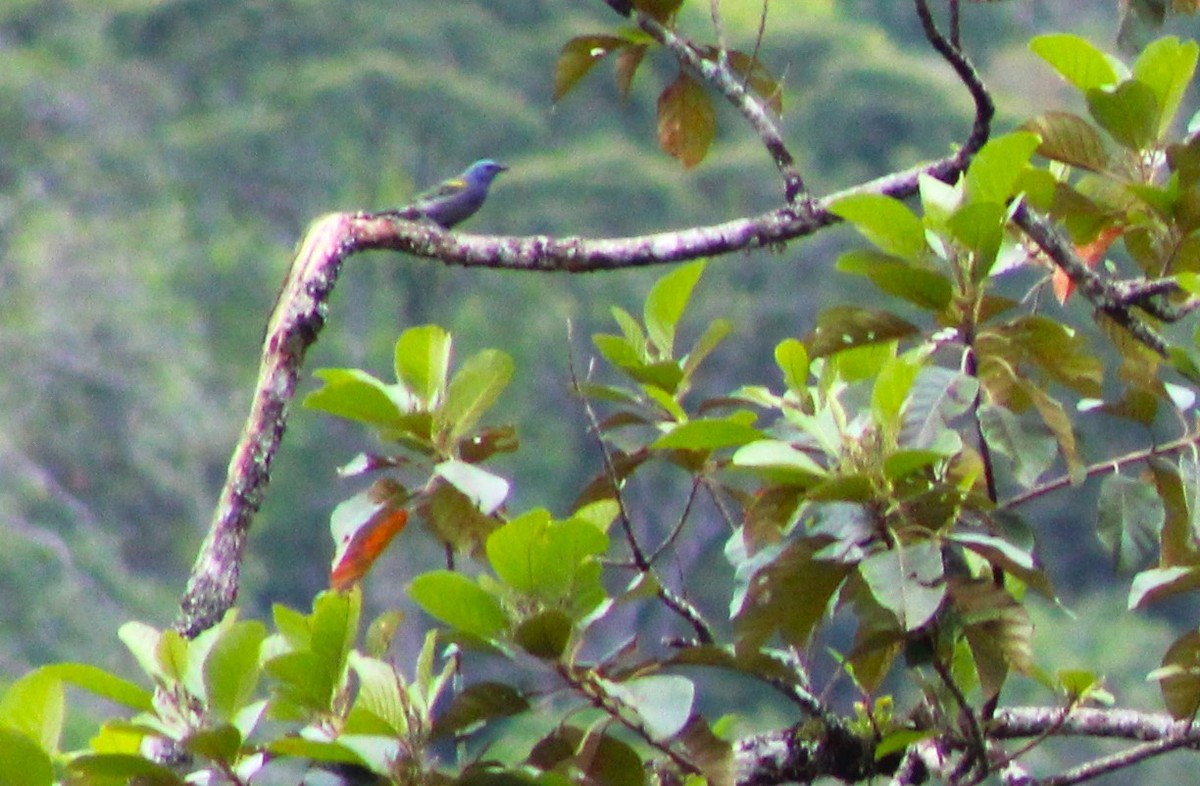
{"x":456,"y":199}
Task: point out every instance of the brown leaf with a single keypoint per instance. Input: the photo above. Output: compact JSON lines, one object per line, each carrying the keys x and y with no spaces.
{"x":686,"y":121}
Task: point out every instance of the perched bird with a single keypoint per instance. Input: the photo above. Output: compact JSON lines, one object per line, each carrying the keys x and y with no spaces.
{"x":456,"y":199}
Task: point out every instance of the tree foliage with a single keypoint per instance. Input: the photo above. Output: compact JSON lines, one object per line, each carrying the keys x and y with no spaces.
{"x":875,"y":484}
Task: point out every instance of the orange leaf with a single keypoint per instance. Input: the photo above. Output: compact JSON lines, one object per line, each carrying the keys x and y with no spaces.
{"x":358,"y":553}
{"x":1091,"y":253}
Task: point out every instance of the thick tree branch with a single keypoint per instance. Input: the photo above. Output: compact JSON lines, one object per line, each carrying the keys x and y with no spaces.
{"x":293,"y":326}
{"x":1018,"y":722}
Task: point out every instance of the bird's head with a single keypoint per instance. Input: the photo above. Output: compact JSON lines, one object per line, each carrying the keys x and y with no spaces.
{"x":482,"y":172}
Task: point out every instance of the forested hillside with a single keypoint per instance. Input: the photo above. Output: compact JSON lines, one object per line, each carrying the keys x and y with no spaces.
{"x":161,"y":158}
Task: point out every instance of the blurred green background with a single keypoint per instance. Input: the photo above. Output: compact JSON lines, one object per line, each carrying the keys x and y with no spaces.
{"x":159,"y":159}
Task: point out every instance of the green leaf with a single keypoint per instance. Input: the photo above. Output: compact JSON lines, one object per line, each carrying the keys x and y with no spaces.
{"x":1081,"y":685}
{"x":476,"y":704}
{"x":902,"y":463}
{"x":708,"y":435}
{"x":995,"y":169}
{"x":979,"y":226}
{"x":1076,"y":60}
{"x":34,"y":705}
{"x":784,"y":463}
{"x":938,"y":395}
{"x":544,"y":635}
{"x":422,"y":361}
{"x":633,"y":334}
{"x":938,"y":199}
{"x":924,"y":288}
{"x":1055,"y":416}
{"x":1179,"y":676}
{"x":1166,"y":66}
{"x":316,"y":750}
{"x":662,"y":10}
{"x":293,"y":626}
{"x":666,"y":303}
{"x":1130,"y":520}
{"x":308,"y":676}
{"x":711,"y":751}
{"x":998,"y":631}
{"x":847,"y":327}
{"x":1129,"y":114}
{"x":618,"y":351}
{"x":1014,"y":559}
{"x":455,"y":520}
{"x":886,"y":222}
{"x":1177,"y":547}
{"x":120,"y":768}
{"x":1068,"y":138}
{"x":907,"y":580}
{"x":217,"y":743}
{"x":455,"y":600}
{"x":1155,"y":584}
{"x":473,"y":390}
{"x":1059,"y":351}
{"x":142,"y":642}
{"x":687,"y":121}
{"x":788,"y":592}
{"x":899,"y":740}
{"x":578,"y":56}
{"x":335,"y":621}
{"x":23,"y":762}
{"x":303,"y":685}
{"x":102,"y":683}
{"x":355,"y":395}
{"x":171,"y":653}
{"x":231,"y":669}
{"x":1032,"y":452}
{"x":547,"y":559}
{"x":380,"y":693}
{"x":486,"y":490}
{"x":890,"y":392}
{"x":792,"y":359}
{"x":601,"y":759}
{"x":662,"y":701}
{"x":713,"y":335}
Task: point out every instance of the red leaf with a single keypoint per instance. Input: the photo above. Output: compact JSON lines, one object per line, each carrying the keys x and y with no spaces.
{"x":365,"y":545}
{"x":1090,"y":253}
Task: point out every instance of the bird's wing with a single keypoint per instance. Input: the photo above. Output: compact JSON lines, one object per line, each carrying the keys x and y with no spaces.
{"x":448,"y":188}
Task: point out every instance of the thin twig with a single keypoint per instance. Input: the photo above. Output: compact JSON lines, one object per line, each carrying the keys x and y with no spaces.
{"x":1114,"y":464}
{"x":1118,"y":761}
{"x":977,"y":751}
{"x":1103,"y":295}
{"x":759,"y":37}
{"x":644,"y":565}
{"x":594,"y":691}
{"x":678,"y":528}
{"x":950,"y":52}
